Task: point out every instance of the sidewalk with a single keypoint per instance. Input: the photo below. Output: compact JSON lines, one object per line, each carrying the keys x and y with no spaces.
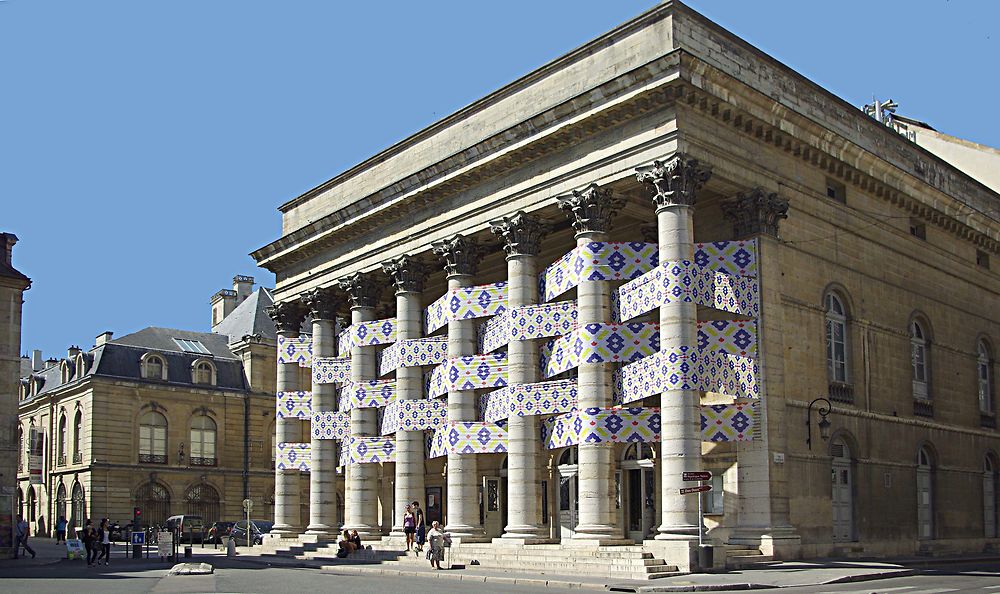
{"x":46,"y":552}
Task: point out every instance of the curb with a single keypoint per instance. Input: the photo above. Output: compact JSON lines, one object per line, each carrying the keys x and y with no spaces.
{"x":468,"y":577}
{"x":753,"y":586}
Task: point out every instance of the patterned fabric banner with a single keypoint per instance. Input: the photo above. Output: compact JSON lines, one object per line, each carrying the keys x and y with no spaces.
{"x":735,"y":337}
{"x":688,"y":282}
{"x":729,"y":422}
{"x":371,"y":333}
{"x":295,"y":350}
{"x":327,"y":370}
{"x":473,"y":437}
{"x":344,"y":452}
{"x":466,"y":303}
{"x":331,"y":425}
{"x":293,"y":456}
{"x":413,"y":353}
{"x":519,"y":400}
{"x":294,"y":405}
{"x":528,"y":322}
{"x":371,"y":450}
{"x":369,"y":394}
{"x":685,"y":368}
{"x":597,"y":261}
{"x":602,"y":425}
{"x":414,"y":415}
{"x":738,"y":258}
{"x":600,"y":343}
{"x":469,"y":373}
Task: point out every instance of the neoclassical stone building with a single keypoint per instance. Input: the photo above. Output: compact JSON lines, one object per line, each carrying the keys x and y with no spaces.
{"x":170,"y":421}
{"x":648,"y":257}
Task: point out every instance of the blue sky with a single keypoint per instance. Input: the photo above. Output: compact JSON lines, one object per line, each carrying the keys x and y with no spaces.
{"x":145,"y":146}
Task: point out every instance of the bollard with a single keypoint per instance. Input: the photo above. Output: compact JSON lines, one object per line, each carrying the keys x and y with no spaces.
{"x":230,"y":546}
{"x":187,"y":551}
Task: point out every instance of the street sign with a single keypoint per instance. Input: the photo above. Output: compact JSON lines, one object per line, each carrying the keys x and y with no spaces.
{"x":247,"y":505}
{"x":165,"y":544}
{"x":138,"y":538}
{"x":698,"y":489}
{"x":697,"y":476}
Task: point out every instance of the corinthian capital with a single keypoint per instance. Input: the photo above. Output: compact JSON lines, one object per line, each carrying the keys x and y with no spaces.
{"x":362,"y":289}
{"x":521,"y":233}
{"x":287,"y":316}
{"x":755,"y":212}
{"x":674,"y":181}
{"x":322,"y":303}
{"x":460,"y":255}
{"x":591,"y":209}
{"x":406,"y":273}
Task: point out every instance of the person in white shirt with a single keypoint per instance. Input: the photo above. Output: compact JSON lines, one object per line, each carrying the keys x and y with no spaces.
{"x":104,"y":538}
{"x":436,"y":538}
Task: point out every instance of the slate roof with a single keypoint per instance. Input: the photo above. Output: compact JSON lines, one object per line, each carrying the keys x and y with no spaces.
{"x":249,"y":317}
{"x":162,"y":339}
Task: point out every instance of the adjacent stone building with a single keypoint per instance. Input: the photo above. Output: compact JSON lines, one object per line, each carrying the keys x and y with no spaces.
{"x":13,"y":284}
{"x":663,"y":252}
{"x":169,"y":421}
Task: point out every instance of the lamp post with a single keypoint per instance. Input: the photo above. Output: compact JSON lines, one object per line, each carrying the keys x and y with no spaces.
{"x":823,"y":409}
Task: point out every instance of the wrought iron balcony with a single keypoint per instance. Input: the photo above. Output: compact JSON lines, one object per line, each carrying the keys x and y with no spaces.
{"x":199,"y":461}
{"x":152,"y":458}
{"x":78,"y":458}
{"x":923,"y":408}
{"x":841,"y":392}
{"x":987,"y":420}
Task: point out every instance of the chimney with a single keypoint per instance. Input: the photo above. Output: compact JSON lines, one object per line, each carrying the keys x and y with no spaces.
{"x":7,"y":241}
{"x":71,"y":354}
{"x":243,"y":285}
{"x":103,"y":337}
{"x":37,"y":363}
{"x":223,"y":304}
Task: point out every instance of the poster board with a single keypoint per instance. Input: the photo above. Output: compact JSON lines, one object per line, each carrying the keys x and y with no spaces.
{"x":164,"y":544}
{"x":74,"y":548}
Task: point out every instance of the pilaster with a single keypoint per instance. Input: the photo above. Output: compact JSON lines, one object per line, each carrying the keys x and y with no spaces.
{"x":756,"y":212}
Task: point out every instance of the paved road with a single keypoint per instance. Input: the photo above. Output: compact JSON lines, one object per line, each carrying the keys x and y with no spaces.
{"x":139,"y":576}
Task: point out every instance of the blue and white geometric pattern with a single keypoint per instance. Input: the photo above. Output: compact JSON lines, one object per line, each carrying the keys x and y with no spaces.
{"x":331,"y":425}
{"x":597,"y":261}
{"x":468,"y":373}
{"x":519,"y":400}
{"x":369,"y":394}
{"x":686,"y":368}
{"x":528,"y":322}
{"x":738,"y":258}
{"x":736,"y":337}
{"x":372,"y":450}
{"x":600,"y":343}
{"x":466,"y":303}
{"x":294,"y":405}
{"x":730,"y":422}
{"x":371,"y":333}
{"x":414,"y":352}
{"x":329,"y":370}
{"x":295,"y":350}
{"x":685,"y":281}
{"x":414,"y":415}
{"x":469,"y":437}
{"x":293,"y":456}
{"x":602,"y":425}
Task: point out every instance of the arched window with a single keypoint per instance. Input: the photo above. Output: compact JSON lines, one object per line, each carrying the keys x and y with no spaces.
{"x":925,"y":493}
{"x":203,"y":500}
{"x":60,"y":502}
{"x":81,"y":365}
{"x":153,"y":438}
{"x":203,"y":372}
{"x":20,"y":449}
{"x":153,"y":367}
{"x":984,"y":373}
{"x":65,"y":371}
{"x":203,"y":441}
{"x":61,"y":446}
{"x":154,"y":501}
{"x":78,"y":510}
{"x":920,"y":357}
{"x":837,"y":365}
{"x":31,"y":504}
{"x":78,"y":437}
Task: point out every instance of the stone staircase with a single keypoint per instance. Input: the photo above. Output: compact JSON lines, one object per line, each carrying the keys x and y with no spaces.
{"x":738,"y":557}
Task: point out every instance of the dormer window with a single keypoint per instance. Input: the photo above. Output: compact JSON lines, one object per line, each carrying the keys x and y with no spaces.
{"x":81,"y":365}
{"x":154,"y":367}
{"x":203,"y":372}
{"x":65,"y":371}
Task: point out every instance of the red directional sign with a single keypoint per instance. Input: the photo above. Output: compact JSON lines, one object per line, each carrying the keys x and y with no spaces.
{"x":697,"y":476}
{"x":699,"y":489}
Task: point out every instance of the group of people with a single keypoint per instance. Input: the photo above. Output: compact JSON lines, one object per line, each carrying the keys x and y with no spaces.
{"x":97,"y":542}
{"x":415,"y":529}
{"x":350,"y":541}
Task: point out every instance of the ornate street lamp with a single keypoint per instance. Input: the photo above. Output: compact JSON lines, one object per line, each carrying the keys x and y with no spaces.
{"x":824,"y":425}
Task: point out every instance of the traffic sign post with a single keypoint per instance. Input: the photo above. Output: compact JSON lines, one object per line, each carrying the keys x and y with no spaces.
{"x":700,"y":475}
{"x":698,"y":489}
{"x":138,"y":542}
{"x":696,"y":476}
{"x":248,"y":507}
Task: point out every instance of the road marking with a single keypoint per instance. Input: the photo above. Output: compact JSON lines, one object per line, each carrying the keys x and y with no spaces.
{"x":933,"y":591}
{"x":991,"y":587}
{"x":871,"y":590}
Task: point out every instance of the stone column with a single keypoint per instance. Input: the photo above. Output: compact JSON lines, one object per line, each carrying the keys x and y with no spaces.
{"x":322,"y":304}
{"x":287,"y":316}
{"x":522,"y":235}
{"x":461,"y":260}
{"x":361,"y":489}
{"x":591,"y":211}
{"x":408,"y":276}
{"x":674,"y":184}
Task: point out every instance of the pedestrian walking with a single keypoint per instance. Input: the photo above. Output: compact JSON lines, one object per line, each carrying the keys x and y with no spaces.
{"x":409,"y":526}
{"x":40,"y":527}
{"x":61,"y":530}
{"x":89,"y":539}
{"x":418,"y":517}
{"x":22,"y":530}
{"x":436,"y":538}
{"x":104,"y":541}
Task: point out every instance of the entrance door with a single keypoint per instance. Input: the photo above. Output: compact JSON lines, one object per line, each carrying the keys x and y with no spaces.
{"x":640,"y":491}
{"x":568,"y":505}
{"x":493,"y":506}
{"x":925,"y":496}
{"x":843,"y":492}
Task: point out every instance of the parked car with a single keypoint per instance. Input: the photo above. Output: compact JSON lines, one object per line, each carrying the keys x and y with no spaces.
{"x":258,"y":529}
{"x":217,"y":531}
{"x":190,"y":528}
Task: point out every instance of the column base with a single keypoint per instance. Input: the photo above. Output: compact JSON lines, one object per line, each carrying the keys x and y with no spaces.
{"x":524,"y":534}
{"x":780,"y":542}
{"x":318,"y":532}
{"x":676,"y":532}
{"x":518,"y":541}
{"x":681,"y":552}
{"x":466,"y":533}
{"x":285,"y":531}
{"x":364,"y":530}
{"x":593,"y":541}
{"x":596,"y":532}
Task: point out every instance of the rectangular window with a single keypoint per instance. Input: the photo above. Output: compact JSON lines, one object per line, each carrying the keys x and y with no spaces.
{"x":918,"y":229}
{"x":152,"y":440}
{"x":191,"y":346}
{"x":714,"y":499}
{"x":836,"y":191}
{"x":982,"y":259}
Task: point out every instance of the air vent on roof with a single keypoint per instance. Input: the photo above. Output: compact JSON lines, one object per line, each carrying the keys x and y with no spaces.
{"x":191,"y":346}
